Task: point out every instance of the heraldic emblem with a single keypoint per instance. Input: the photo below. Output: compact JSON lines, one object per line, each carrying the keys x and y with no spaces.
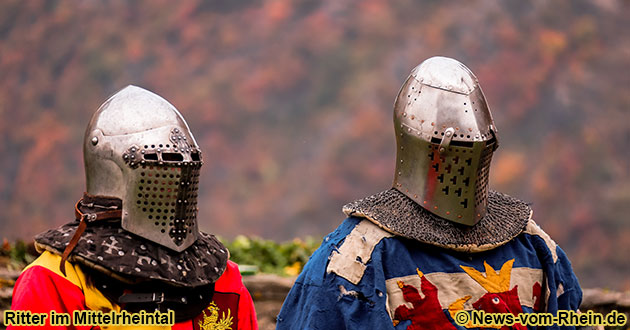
{"x":212,"y":321}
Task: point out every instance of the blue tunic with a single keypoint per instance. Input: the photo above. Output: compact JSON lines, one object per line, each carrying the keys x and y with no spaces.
{"x":363,"y":277}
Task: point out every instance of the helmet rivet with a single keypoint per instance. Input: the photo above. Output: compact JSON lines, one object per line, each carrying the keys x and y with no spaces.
{"x":94,"y":141}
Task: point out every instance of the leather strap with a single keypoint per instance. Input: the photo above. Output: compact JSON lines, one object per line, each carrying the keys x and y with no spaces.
{"x":84,"y":219}
{"x":151,"y":297}
{"x":133,"y":298}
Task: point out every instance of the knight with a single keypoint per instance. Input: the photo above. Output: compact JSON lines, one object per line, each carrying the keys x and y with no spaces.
{"x":135,"y":244}
{"x":439,"y":242}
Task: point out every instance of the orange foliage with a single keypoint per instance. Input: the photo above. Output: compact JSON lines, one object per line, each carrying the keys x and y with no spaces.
{"x":291,"y":102}
{"x":508,"y":167}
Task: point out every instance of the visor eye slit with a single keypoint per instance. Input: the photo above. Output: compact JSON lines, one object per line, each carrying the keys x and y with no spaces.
{"x":172,"y":157}
{"x":150,"y":156}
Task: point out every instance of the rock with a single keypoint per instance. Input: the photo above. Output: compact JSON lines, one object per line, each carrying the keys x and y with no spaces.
{"x":599,"y":297}
{"x":264,"y":287}
{"x":268,"y":292}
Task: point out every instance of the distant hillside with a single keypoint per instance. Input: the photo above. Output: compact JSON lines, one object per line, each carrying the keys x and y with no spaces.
{"x":291,"y":102}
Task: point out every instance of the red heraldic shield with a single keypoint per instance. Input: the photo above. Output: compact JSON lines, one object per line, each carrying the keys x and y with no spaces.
{"x":221,"y":313}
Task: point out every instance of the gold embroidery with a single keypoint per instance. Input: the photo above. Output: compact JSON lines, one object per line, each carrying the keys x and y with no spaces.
{"x":494,"y":281}
{"x":458,"y":305}
{"x":212,"y":322}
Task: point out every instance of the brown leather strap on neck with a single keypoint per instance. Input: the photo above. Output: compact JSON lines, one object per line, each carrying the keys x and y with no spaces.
{"x":95,"y":216}
{"x":84,"y":219}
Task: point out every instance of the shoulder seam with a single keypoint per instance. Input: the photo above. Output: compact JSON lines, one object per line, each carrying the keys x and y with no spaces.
{"x":533,"y":229}
{"x":349,"y":261}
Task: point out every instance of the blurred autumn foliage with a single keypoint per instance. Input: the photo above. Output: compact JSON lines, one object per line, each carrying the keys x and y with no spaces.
{"x":291,"y":102}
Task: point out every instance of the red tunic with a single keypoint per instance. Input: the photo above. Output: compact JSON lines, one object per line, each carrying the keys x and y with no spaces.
{"x":41,"y":288}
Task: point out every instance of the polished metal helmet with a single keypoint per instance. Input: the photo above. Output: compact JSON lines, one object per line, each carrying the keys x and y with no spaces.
{"x":139,"y":148}
{"x":445,"y":139}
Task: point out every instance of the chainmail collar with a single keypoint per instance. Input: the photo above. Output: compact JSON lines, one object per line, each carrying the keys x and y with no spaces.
{"x":398,"y":214}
